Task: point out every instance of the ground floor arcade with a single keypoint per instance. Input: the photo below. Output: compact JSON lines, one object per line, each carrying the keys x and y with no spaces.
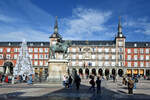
{"x":113,"y":71}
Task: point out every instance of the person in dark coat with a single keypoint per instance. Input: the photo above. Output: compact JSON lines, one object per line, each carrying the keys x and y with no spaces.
{"x":130,"y":86}
{"x":98,"y":83}
{"x":77,"y":81}
{"x":70,"y":81}
{"x":92,"y":82}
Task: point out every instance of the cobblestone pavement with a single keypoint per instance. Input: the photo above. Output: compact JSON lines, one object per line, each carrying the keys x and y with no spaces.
{"x":46,"y":91}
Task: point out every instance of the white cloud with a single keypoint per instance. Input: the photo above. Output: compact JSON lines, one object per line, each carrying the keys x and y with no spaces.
{"x":85,"y":23}
{"x":28,"y":34}
{"x":139,"y":25}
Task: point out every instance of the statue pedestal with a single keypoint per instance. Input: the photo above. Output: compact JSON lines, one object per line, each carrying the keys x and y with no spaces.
{"x":56,"y":70}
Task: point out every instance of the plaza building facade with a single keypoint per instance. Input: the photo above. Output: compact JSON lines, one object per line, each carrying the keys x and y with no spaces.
{"x":116,"y":56}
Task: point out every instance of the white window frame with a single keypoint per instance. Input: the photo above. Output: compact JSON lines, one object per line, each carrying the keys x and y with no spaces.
{"x":8,"y":56}
{"x":135,"y":50}
{"x":73,"y":49}
{"x":80,"y":56}
{"x":141,"y":57}
{"x":35,"y":56}
{"x":135,"y":64}
{"x":8,"y":49}
{"x":129,"y":50}
{"x":31,"y":56}
{"x":113,"y":63}
{"x":40,"y":50}
{"x":135,"y":57}
{"x":73,"y":56}
{"x":1,"y":49}
{"x":146,"y":50}
{"x":45,"y":56}
{"x":93,"y":56}
{"x":73,"y":63}
{"x":106,"y":50}
{"x":141,"y":50}
{"x":93,"y":63}
{"x":41,"y":63}
{"x":106,"y":56}
{"x":113,"y":57}
{"x":41,"y":56}
{"x":99,"y":49}
{"x":15,"y":56}
{"x":46,"y":50}
{"x":147,"y":57}
{"x":36,"y":50}
{"x":141,"y":64}
{"x":129,"y":57}
{"x":80,"y":63}
{"x":15,"y":49}
{"x":100,"y":56}
{"x":30,"y":49}
{"x":1,"y":56}
{"x":36,"y":63}
{"x":129,"y":64}
{"x":100,"y":63}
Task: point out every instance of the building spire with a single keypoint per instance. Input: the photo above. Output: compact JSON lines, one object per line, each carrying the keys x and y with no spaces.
{"x":56,"y":26}
{"x":119,"y":26}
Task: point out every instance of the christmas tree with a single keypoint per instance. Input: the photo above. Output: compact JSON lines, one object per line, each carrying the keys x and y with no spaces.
{"x":23,"y":65}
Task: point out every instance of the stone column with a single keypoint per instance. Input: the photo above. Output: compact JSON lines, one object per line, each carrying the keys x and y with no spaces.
{"x":144,"y":71}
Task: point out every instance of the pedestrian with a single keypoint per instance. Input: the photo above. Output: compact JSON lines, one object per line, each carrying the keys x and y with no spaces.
{"x":6,"y":78}
{"x":77,"y":81}
{"x":70,"y":80}
{"x":92,"y":82}
{"x":67,"y":82}
{"x":114,"y":78}
{"x":0,"y":78}
{"x":130,"y":86}
{"x":98,"y":83}
{"x":24,"y":78}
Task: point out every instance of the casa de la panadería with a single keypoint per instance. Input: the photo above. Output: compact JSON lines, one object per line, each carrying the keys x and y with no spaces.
{"x":98,"y":57}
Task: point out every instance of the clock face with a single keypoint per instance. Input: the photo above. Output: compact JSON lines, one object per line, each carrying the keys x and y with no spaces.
{"x":120,"y":35}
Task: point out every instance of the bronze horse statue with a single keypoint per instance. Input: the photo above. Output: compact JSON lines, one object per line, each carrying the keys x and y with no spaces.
{"x":59,"y":47}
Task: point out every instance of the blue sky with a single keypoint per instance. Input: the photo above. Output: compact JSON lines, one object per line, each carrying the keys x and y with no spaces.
{"x":33,"y":20}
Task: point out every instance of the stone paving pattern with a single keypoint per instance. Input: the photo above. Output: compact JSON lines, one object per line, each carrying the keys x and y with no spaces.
{"x":46,"y":91}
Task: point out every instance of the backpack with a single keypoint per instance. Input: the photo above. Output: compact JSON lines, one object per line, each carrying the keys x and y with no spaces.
{"x":131,"y":84}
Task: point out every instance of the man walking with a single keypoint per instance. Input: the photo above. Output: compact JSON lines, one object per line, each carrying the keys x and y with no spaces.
{"x":130,"y":86}
{"x":98,"y":83}
{"x":92,"y":82}
{"x":77,"y":81}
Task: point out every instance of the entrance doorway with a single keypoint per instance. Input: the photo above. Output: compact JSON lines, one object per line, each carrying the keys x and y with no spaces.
{"x":148,"y":72}
{"x":94,"y":71}
{"x":80,"y":71}
{"x":100,"y":72}
{"x":120,"y":72}
{"x":8,"y":68}
{"x":87,"y":71}
{"x":106,"y":72}
{"x":113,"y":72}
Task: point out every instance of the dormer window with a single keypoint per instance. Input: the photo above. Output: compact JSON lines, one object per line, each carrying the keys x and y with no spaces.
{"x":135,"y":45}
{"x":9,"y":44}
{"x":41,"y":44}
{"x":31,"y":44}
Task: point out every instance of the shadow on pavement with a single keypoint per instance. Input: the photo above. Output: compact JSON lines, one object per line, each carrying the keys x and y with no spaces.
{"x":82,"y":94}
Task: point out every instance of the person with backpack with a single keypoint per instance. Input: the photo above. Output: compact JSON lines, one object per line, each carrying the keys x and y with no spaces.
{"x":130,"y":86}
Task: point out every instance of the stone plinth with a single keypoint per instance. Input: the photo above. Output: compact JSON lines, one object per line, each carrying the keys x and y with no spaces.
{"x":56,"y":70}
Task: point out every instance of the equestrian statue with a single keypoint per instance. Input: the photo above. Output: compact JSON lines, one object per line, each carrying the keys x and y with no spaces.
{"x":59,"y":47}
